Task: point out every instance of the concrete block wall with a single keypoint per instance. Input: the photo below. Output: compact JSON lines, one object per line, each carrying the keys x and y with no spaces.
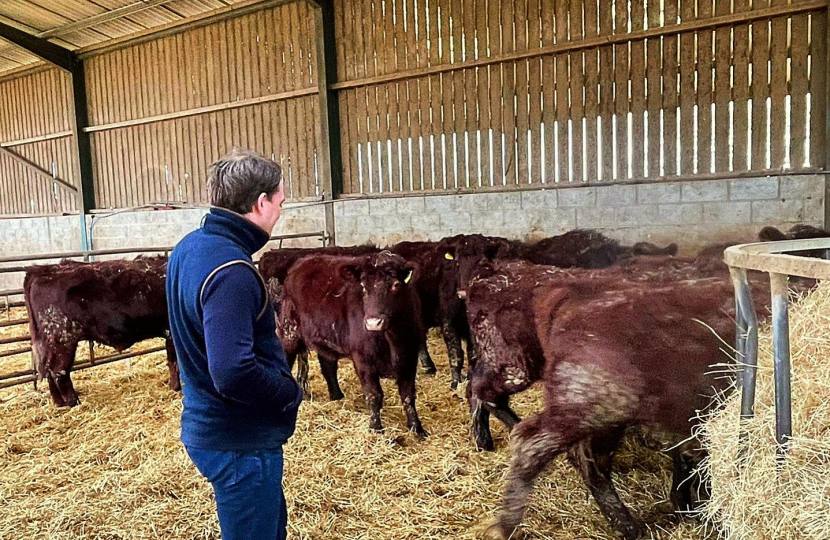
{"x":156,"y":228}
{"x":693,"y":214}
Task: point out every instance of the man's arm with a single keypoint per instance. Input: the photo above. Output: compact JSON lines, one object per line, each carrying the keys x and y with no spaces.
{"x":231,"y":302}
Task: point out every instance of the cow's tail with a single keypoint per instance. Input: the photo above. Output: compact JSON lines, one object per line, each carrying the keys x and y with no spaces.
{"x":38,"y":368}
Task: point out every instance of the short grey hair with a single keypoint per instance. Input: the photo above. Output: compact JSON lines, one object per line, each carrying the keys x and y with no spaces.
{"x":236,"y":181}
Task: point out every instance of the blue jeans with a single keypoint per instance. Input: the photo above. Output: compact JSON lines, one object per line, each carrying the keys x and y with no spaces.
{"x":248,"y":489}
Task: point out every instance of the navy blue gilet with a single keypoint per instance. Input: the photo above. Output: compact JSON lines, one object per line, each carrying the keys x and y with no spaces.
{"x":238,"y":392}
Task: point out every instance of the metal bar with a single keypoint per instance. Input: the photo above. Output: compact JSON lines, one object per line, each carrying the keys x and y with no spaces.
{"x":15,"y":352}
{"x":82,"y":148}
{"x":42,"y":48}
{"x":15,"y":322}
{"x":85,"y":365}
{"x":331,"y":159}
{"x":749,"y":362}
{"x":16,"y":339}
{"x":781,"y":357}
{"x":708,"y":23}
{"x":740,"y":338}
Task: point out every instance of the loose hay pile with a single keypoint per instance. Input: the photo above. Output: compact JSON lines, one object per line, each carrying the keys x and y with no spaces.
{"x":113,"y":468}
{"x":757,"y":500}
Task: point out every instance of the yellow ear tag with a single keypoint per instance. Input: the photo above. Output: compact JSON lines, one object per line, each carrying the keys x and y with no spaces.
{"x":408,"y":277}
{"x":449,"y":256}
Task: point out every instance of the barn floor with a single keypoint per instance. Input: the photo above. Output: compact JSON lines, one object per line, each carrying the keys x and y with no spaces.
{"x":113,"y":467}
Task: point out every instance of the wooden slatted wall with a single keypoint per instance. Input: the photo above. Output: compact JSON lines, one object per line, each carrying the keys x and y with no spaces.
{"x":447,"y":94}
{"x":34,"y":123}
{"x":163,"y":111}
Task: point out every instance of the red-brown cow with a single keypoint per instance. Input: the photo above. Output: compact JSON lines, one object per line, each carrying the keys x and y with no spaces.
{"x":115,"y":303}
{"x":618,"y":354}
{"x":363,"y":308}
{"x":509,"y":356}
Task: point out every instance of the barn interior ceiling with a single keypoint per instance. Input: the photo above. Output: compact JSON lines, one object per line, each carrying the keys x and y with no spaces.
{"x":77,"y":24}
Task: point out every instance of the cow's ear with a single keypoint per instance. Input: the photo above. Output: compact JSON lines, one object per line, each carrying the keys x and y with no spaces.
{"x":350,"y":273}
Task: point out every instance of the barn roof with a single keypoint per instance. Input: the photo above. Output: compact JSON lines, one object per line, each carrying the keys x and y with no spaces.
{"x":83,"y":24}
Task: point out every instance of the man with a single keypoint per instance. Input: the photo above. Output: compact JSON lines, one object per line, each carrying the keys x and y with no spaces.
{"x":240,"y":401}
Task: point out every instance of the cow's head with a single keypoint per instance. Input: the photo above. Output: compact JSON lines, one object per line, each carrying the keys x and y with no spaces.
{"x":386,"y":282}
{"x":465,"y":257}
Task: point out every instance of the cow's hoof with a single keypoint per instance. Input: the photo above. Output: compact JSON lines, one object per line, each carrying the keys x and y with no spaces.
{"x":495,"y":531}
{"x":430,"y":370}
{"x":420,"y":432}
{"x":630,"y":531}
{"x":336,"y":396}
{"x":484,"y":444}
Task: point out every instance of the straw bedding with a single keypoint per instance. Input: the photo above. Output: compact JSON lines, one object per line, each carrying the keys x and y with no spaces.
{"x":758,"y":499}
{"x":113,"y":467}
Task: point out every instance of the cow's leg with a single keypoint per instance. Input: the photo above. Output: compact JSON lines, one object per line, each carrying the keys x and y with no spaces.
{"x":681,"y":486}
{"x":59,"y":361}
{"x":302,"y":368}
{"x":328,"y":367}
{"x":534,"y":445}
{"x":501,"y":410}
{"x":482,"y":437}
{"x":370,"y":381}
{"x":454,"y":351}
{"x":406,"y":389}
{"x":172,"y":366}
{"x":594,"y":461}
{"x":426,"y":360}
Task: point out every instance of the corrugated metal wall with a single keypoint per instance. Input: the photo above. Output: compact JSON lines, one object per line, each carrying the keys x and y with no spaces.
{"x":34,"y":124}
{"x":161,"y":116}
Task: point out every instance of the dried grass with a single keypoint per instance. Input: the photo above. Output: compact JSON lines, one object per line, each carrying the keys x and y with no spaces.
{"x":113,"y":468}
{"x":758,"y":498}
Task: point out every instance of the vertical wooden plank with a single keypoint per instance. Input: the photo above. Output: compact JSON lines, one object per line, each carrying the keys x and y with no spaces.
{"x":818,"y":90}
{"x":654,"y":91}
{"x":391,"y":65}
{"x":740,"y":92}
{"x":171,"y":127}
{"x":759,"y":85}
{"x":798,"y":95}
{"x":104,"y":146}
{"x":704,"y":91}
{"x":723,"y":91}
{"x":577,"y":80}
{"x":182,"y":133}
{"x":688,"y":90}
{"x":142,"y":155}
{"x":591,"y":92}
{"x":534,"y":37}
{"x":494,"y":75}
{"x":413,"y":93}
{"x":521,"y":69}
{"x":124,"y":176}
{"x":562,"y":88}
{"x":470,"y":98}
{"x":670,"y":65}
{"x":483,"y":98}
{"x":447,"y":99}
{"x":638,"y":93}
{"x":778,"y":88}
{"x":615,"y":87}
{"x":403,"y":41}
{"x":437,"y":177}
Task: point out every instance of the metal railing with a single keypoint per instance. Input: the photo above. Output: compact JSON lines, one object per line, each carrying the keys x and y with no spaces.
{"x":25,"y":376}
{"x":770,"y":257}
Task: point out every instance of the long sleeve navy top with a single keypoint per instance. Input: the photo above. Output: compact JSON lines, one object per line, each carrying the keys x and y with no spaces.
{"x":238,"y":390}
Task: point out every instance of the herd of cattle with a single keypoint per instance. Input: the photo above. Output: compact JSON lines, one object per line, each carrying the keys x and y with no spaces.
{"x":620,"y":337}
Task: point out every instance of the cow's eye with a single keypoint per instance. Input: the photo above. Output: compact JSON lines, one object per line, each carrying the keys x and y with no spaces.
{"x":396,"y":285}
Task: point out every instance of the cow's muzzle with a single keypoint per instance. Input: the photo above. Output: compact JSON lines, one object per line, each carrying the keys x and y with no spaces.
{"x":374,"y":324}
